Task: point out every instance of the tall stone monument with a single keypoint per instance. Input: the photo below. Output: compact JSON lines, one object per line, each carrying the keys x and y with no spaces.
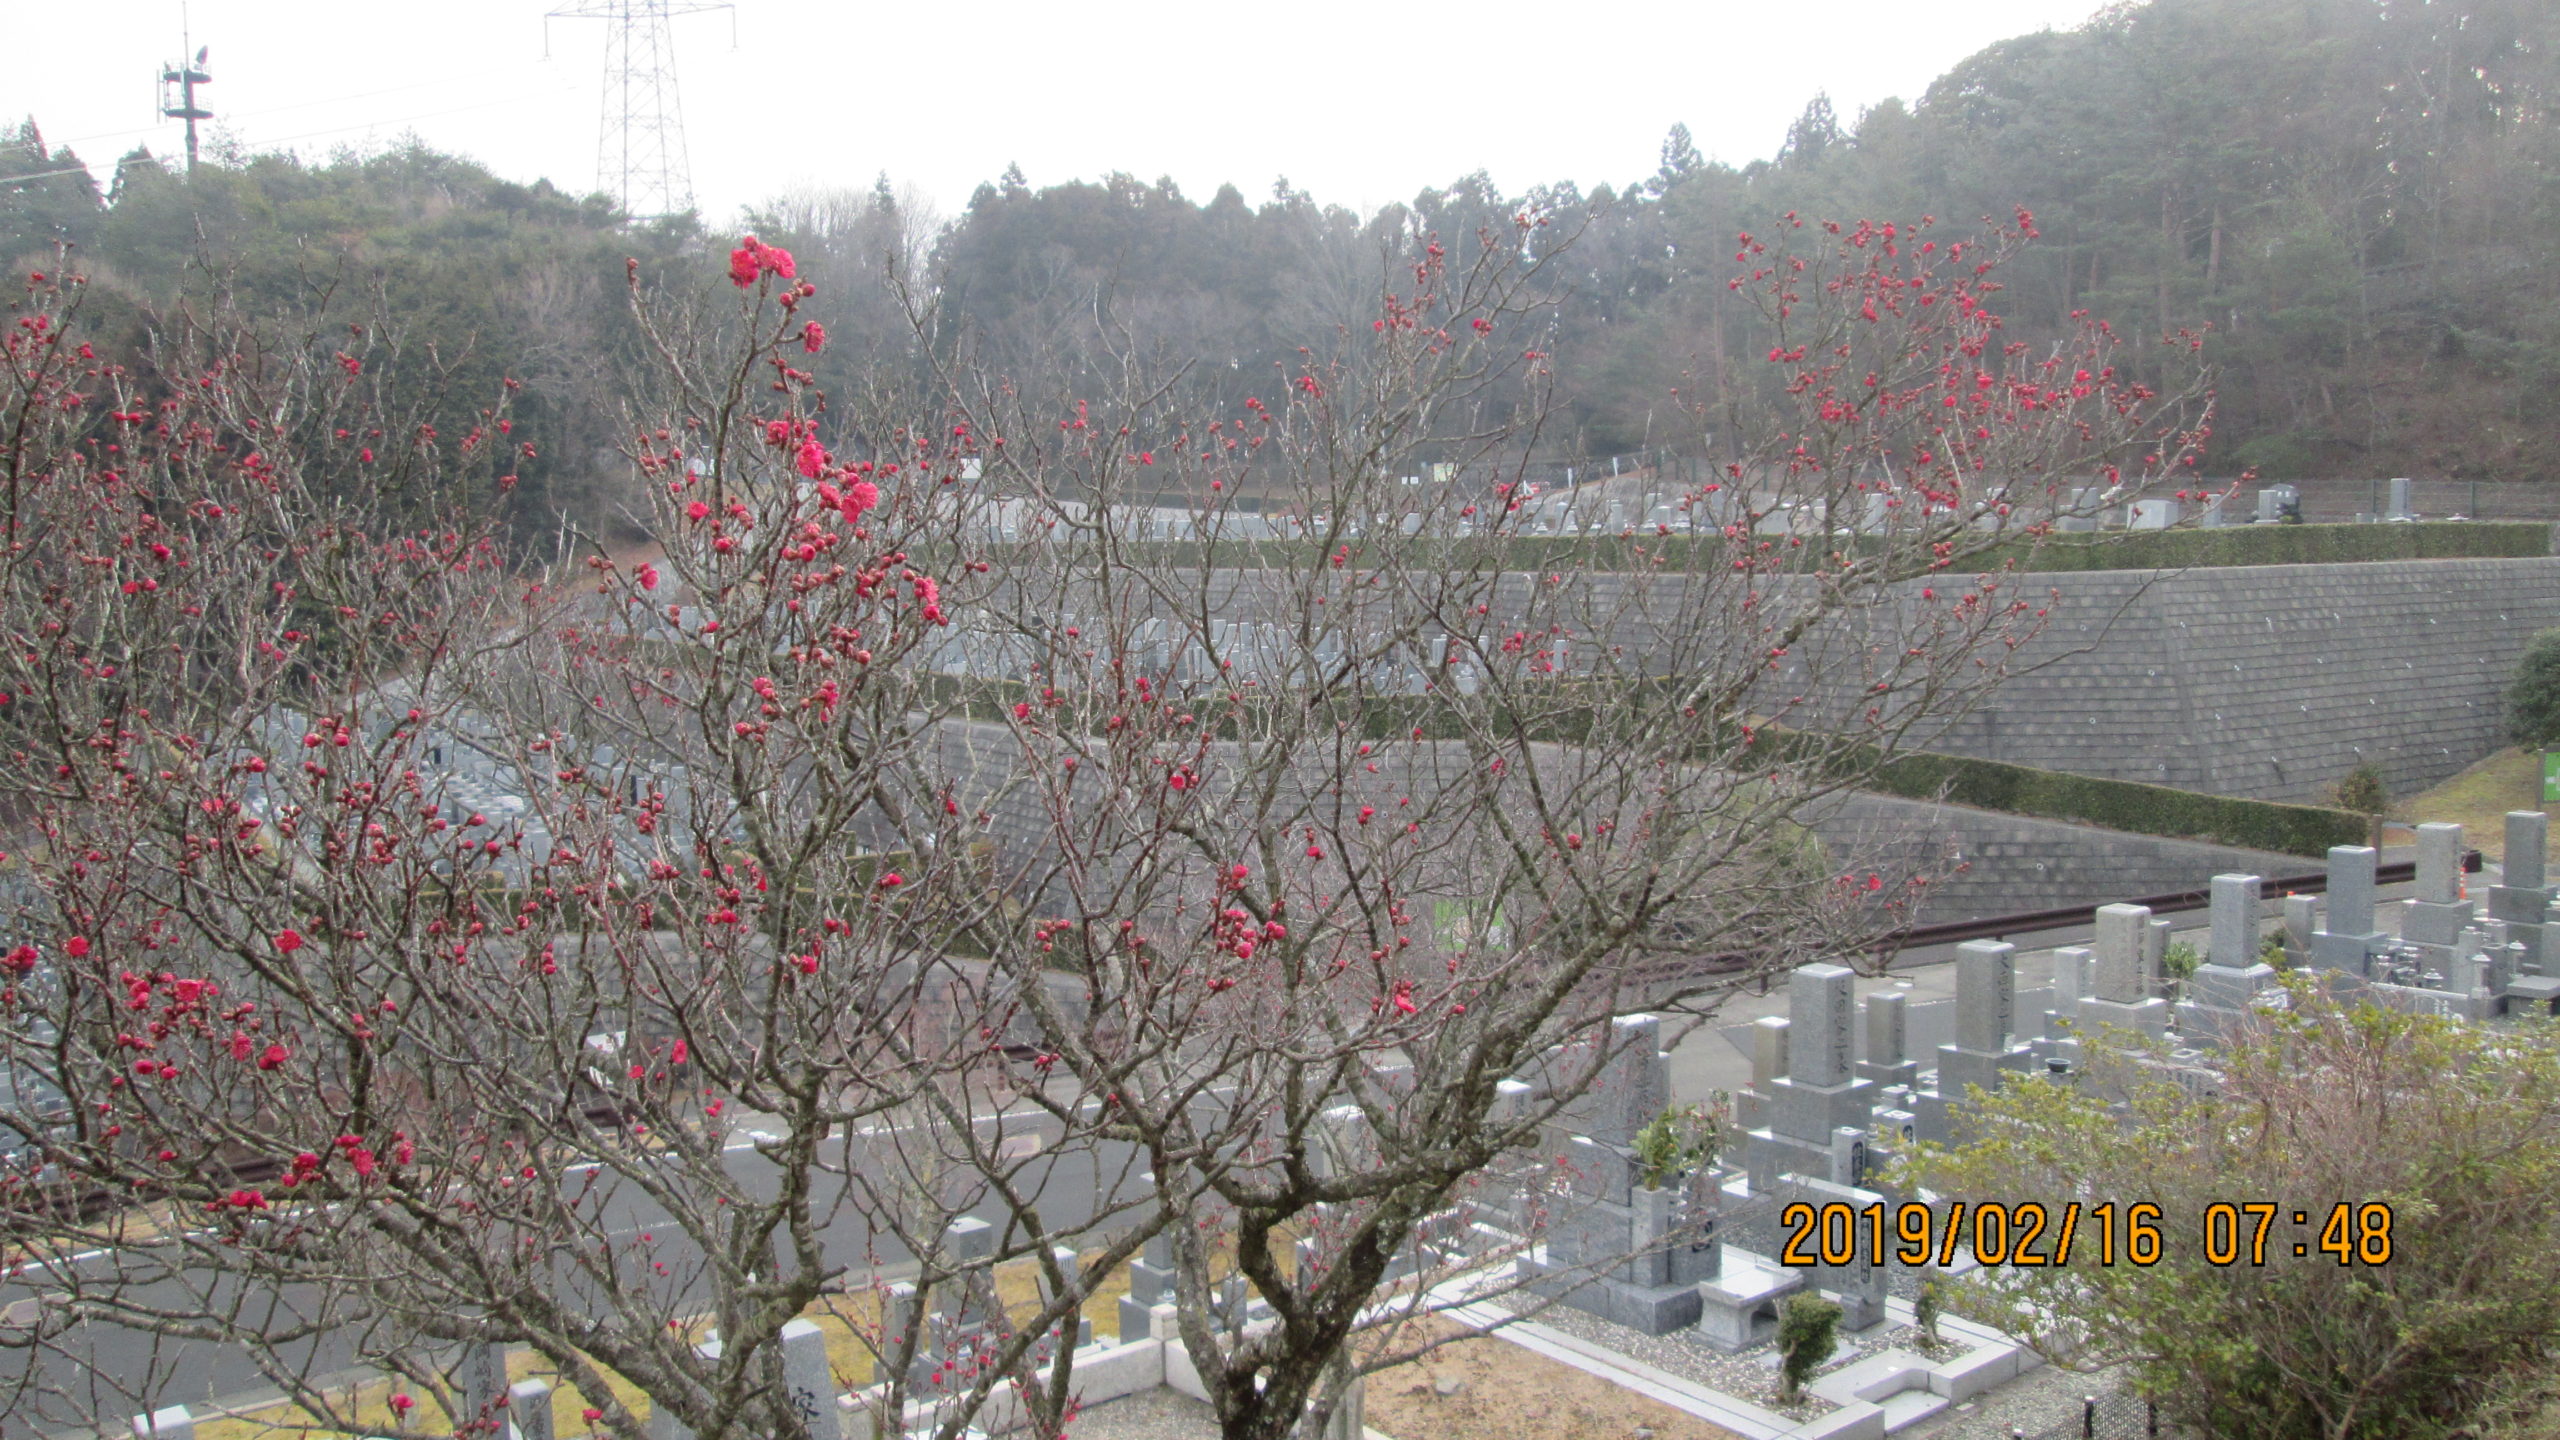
{"x":1818,"y":1111}
{"x":1983,"y":1055}
{"x":2351,"y":939}
{"x":2220,"y":992}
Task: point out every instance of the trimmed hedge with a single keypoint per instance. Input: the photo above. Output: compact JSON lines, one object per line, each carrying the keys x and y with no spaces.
{"x":2291,"y":545}
{"x":2127,"y":805}
{"x":2113,"y":550}
{"x":2306,"y":830}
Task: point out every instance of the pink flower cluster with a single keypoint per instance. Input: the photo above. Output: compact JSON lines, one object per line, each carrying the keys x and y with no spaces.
{"x":753,"y":257}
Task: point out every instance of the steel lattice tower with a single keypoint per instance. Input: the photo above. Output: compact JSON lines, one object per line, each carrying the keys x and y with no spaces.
{"x":640,"y":154}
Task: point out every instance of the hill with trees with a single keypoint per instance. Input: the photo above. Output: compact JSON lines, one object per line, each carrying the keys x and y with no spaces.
{"x":2350,"y":201}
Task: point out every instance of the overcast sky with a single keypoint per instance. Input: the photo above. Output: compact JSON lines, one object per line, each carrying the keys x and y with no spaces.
{"x":1360,"y":103}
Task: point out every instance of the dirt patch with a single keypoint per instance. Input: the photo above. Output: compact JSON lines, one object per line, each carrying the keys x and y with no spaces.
{"x":1490,"y":1387}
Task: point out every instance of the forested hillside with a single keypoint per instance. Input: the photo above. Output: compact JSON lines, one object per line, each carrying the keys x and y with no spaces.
{"x":2358,"y":201}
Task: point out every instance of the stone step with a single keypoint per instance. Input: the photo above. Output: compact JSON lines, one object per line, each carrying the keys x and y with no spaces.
{"x":1909,"y":1408}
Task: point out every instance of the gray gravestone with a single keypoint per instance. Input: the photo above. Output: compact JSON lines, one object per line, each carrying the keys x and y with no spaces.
{"x":483,"y":1377}
{"x":1986,"y":995}
{"x":2122,"y":932}
{"x":2351,"y":938}
{"x":808,"y":1382}
{"x":1820,"y":1001}
{"x":2234,"y":943}
{"x":2438,"y":913}
{"x":529,"y":1410}
{"x":1888,"y":1059}
{"x":2528,"y":831}
{"x":1768,"y":1050}
{"x":171,"y":1423}
{"x":1887,"y":1031}
{"x":2439,"y":863}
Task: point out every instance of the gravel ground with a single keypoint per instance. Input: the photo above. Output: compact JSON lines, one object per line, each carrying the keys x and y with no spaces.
{"x":2041,"y":1400}
{"x":1751,"y":1375}
{"x":1158,"y":1414}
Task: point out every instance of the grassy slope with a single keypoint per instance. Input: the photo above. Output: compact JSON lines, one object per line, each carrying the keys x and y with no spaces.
{"x":2479,"y":798}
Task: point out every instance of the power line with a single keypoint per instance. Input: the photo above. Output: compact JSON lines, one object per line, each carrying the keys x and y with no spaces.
{"x":267,"y":110}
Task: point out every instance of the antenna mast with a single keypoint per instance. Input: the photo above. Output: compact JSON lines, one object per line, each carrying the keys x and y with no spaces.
{"x":178,"y":94}
{"x":640,"y":154}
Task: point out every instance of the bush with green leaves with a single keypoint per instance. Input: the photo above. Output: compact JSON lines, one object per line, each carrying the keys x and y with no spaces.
{"x":2273,"y":955}
{"x":2533,"y":696}
{"x":1673,"y":1143}
{"x":2443,"y":1302}
{"x":2180,"y":960}
{"x":1808,"y":1331}
{"x":1928,"y":1306}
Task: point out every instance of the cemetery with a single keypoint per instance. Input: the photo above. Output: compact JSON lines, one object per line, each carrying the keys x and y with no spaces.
{"x":1604,"y":1244}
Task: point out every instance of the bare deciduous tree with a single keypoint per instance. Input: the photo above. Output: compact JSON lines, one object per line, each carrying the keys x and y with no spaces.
{"x":975,"y":846}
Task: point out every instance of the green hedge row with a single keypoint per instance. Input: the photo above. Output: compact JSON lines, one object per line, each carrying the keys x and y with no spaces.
{"x":2127,"y":805}
{"x":2306,"y":830}
{"x":2113,"y":550}
{"x":2291,"y":545}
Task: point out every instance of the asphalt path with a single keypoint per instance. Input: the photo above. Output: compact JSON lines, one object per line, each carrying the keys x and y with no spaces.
{"x":98,"y":1375}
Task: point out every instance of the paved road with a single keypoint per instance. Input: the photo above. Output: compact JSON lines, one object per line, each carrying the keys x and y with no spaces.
{"x":1068,"y":1181}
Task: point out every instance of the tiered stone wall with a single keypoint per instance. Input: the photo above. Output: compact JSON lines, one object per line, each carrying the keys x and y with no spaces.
{"x":2272,"y":681}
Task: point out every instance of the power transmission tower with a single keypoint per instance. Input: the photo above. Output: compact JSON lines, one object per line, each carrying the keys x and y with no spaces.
{"x":640,"y":155}
{"x":178,"y":96}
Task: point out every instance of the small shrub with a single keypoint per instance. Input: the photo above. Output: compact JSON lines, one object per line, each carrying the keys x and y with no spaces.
{"x":1673,"y":1143}
{"x":2271,"y":952}
{"x":2533,"y":697}
{"x":1926,"y":1309}
{"x":2361,"y":791}
{"x":2180,"y":960}
{"x":1808,"y":1331}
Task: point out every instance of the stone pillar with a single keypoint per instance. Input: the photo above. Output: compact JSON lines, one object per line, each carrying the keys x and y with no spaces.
{"x":2439,"y":912}
{"x":1821,"y":1092}
{"x":1819,"y":1005}
{"x":1888,"y":1060}
{"x":2122,"y":932}
{"x":901,"y":1325}
{"x":1150,"y":1285}
{"x":481,"y":1379}
{"x":808,"y":1382}
{"x":1636,"y":1086}
{"x":2523,"y":898}
{"x":2234,"y":919}
{"x":2220,"y":991}
{"x":2352,"y":937}
{"x":2121,"y":976}
{"x":172,"y":1423}
{"x":2301,"y":918}
{"x":1986,"y":997}
{"x":529,"y":1410}
{"x":1768,"y":1062}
